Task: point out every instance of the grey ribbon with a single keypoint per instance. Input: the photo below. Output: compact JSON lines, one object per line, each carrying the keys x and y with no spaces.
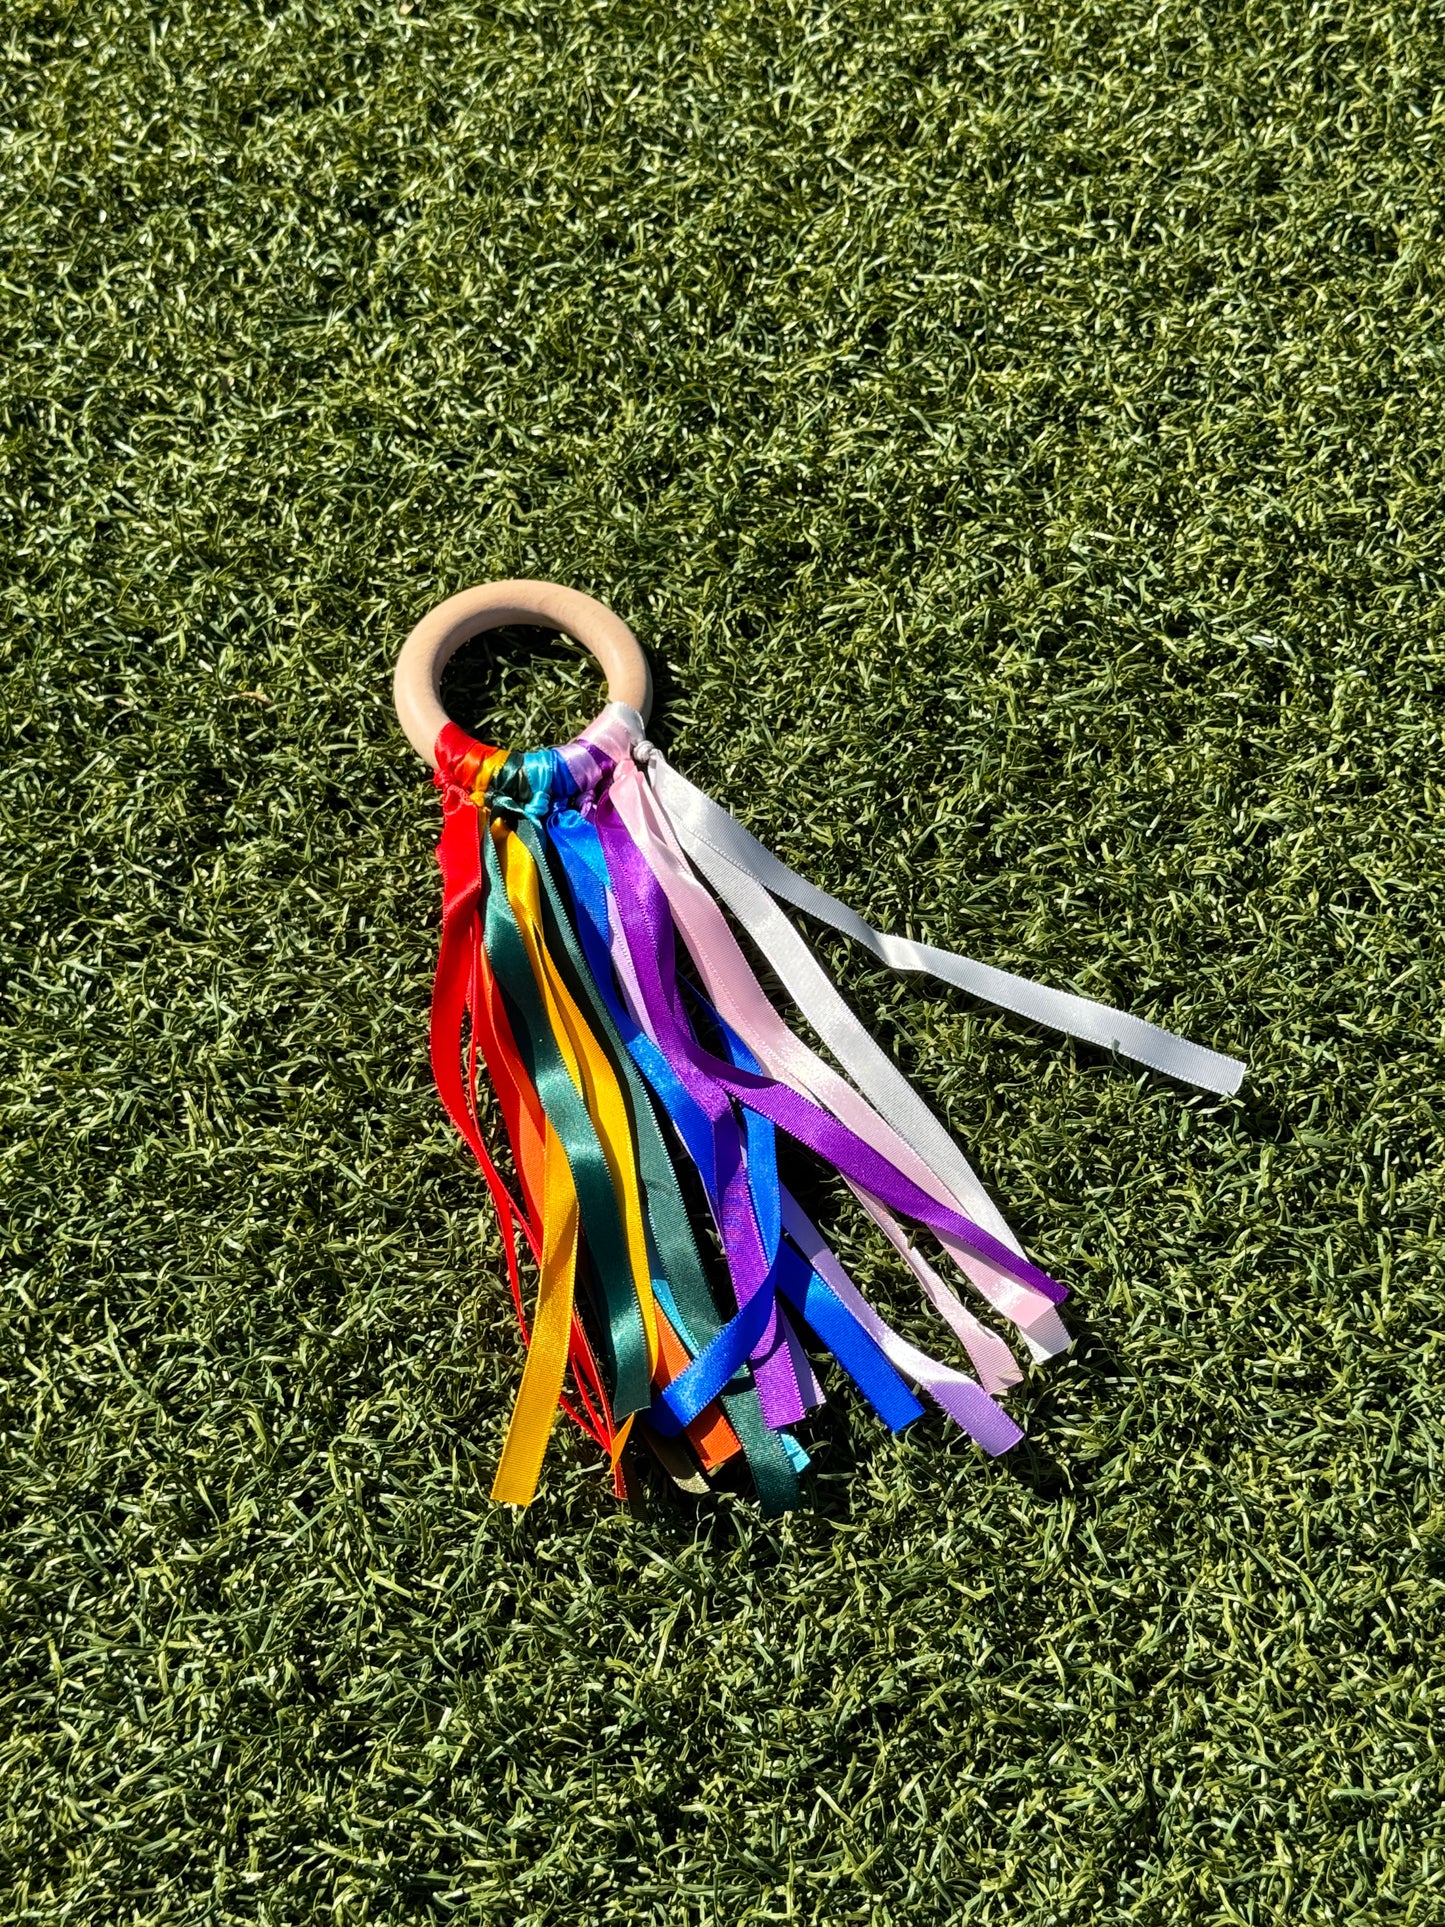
{"x":722,"y":848}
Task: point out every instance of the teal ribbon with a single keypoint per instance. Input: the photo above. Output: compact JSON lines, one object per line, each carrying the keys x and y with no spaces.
{"x":625,"y":1339}
{"x":670,"y":1232}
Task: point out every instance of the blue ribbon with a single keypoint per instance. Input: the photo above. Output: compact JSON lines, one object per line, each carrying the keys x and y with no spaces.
{"x":713,"y":1369}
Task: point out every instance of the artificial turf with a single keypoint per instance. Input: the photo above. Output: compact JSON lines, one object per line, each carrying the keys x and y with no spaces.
{"x":1016,"y":434}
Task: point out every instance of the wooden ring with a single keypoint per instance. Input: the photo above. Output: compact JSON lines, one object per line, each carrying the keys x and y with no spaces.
{"x":416,"y":687}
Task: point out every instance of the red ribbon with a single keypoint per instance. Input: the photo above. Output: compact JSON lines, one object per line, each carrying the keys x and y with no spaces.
{"x":467,"y":1009}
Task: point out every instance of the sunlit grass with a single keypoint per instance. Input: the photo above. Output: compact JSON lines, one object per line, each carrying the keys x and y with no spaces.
{"x":1016,"y":434}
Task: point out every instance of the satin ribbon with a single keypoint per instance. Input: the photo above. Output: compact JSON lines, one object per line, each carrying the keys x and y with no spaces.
{"x":789,"y":1058}
{"x":566,"y":1072}
{"x":738,"y":868}
{"x":709,"y":1369}
{"x":570,"y":895}
{"x":576,"y":1018}
{"x":627,"y":821}
{"x":703,"y":826}
{"x":749,"y":1255}
{"x":952,"y":1391}
{"x":465,"y":990}
{"x":691,"y":1307}
{"x":582,"y":855}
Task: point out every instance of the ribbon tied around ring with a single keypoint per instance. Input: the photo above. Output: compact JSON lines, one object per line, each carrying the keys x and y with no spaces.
{"x":642,"y":1076}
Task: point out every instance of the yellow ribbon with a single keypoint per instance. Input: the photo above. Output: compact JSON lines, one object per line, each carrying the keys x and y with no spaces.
{"x":530,"y":1425}
{"x":589,"y":1065}
{"x":591,"y":1072}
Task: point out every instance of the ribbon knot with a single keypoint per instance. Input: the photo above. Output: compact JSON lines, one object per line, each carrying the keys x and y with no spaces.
{"x":455,"y":793}
{"x":459,"y":757}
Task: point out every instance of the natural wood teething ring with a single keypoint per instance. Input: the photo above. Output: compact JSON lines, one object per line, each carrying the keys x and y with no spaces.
{"x":436,"y":638}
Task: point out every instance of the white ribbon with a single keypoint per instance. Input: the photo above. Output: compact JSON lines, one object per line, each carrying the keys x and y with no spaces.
{"x":936,"y":1156}
{"x":708,"y":833}
{"x":784,"y":1055}
{"x":878,"y":1101}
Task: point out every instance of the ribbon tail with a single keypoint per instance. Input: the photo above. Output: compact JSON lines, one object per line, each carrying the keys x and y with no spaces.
{"x":866,"y":1147}
{"x":540,"y":1392}
{"x":965,"y":1402}
{"x":703,"y":824}
{"x":921,"y":1146}
{"x":453,"y":999}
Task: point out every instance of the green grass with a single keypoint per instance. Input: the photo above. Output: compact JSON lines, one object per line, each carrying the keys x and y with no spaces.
{"x":1015,"y":431}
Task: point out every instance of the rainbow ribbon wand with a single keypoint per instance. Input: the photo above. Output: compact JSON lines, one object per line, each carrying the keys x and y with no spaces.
{"x":637,"y":1062}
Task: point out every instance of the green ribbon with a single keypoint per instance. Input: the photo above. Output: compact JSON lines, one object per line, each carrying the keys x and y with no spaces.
{"x":600,"y":1220}
{"x":670,"y":1232}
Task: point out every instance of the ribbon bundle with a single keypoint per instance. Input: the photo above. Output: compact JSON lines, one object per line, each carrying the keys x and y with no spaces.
{"x":639,"y":1064}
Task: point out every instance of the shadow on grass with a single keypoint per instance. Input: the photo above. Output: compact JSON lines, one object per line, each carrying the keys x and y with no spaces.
{"x":838,"y":1441}
{"x":491,"y":670}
